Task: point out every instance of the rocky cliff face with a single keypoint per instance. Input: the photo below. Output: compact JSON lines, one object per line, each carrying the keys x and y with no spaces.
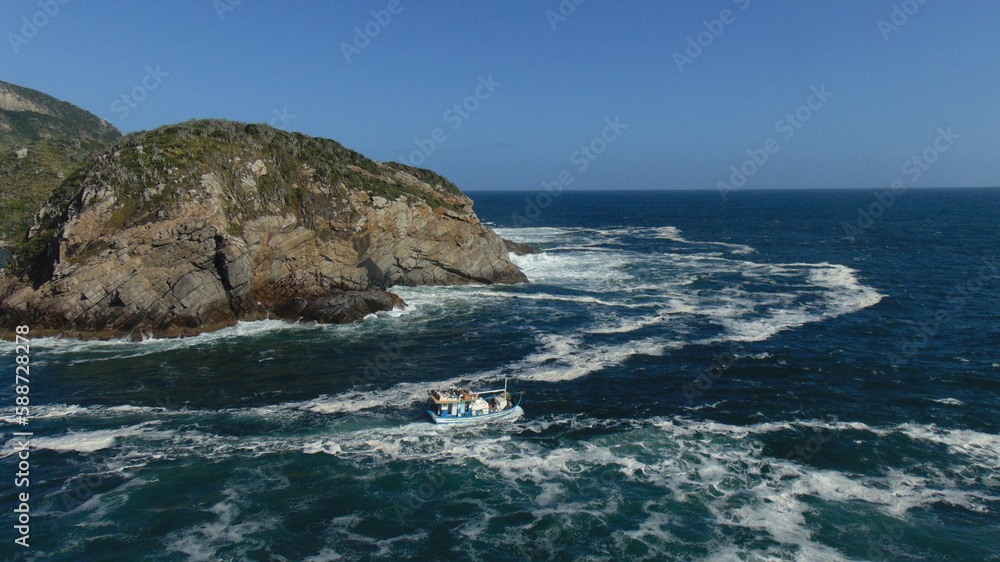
{"x":198,"y":225}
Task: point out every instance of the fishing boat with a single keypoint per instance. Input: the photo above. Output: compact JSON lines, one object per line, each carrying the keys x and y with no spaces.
{"x":459,"y":405}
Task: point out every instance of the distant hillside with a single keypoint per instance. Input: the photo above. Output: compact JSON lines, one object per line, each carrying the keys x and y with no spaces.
{"x":28,"y":115}
{"x":42,"y":140}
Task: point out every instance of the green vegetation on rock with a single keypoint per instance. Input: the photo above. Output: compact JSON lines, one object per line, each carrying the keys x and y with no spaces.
{"x":29,"y":175}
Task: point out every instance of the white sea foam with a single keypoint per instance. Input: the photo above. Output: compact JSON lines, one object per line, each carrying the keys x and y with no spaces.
{"x":325,"y":555}
{"x":403,"y":394}
{"x":984,"y":448}
{"x":202,"y":542}
{"x":534,"y":235}
{"x":90,"y":441}
{"x":49,"y":411}
{"x":949,"y":401}
{"x":585,"y":299}
{"x":615,"y":325}
{"x":100,"y":350}
{"x":826,"y":291}
{"x":562,"y":358}
{"x":549,"y":235}
{"x":674,"y":233}
{"x":585,"y":270}
{"x":779,"y":311}
{"x":529,"y":262}
{"x":424,"y":303}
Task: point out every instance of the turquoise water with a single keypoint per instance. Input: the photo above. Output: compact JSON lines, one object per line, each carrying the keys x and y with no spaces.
{"x":705,"y":380}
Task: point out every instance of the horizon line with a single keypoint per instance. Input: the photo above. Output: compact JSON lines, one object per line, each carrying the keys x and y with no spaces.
{"x":585,"y":190}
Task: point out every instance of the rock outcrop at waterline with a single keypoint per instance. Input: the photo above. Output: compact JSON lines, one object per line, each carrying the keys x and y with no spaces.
{"x":198,"y":225}
{"x":520,"y":249}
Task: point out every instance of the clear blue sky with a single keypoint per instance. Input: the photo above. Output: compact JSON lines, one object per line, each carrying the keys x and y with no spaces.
{"x":893,"y":88}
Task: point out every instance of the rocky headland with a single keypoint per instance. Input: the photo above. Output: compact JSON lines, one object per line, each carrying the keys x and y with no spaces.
{"x":195,"y":226}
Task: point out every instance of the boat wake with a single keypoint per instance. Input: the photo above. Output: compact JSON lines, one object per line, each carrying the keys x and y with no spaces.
{"x":760,"y":477}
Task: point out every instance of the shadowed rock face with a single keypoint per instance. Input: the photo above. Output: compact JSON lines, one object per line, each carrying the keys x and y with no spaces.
{"x":196,"y":226}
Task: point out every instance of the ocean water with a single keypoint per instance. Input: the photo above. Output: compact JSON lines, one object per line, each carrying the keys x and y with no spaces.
{"x":704,"y":380}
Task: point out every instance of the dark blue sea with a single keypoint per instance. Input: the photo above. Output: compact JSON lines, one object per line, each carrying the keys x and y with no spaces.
{"x":780,"y":375}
